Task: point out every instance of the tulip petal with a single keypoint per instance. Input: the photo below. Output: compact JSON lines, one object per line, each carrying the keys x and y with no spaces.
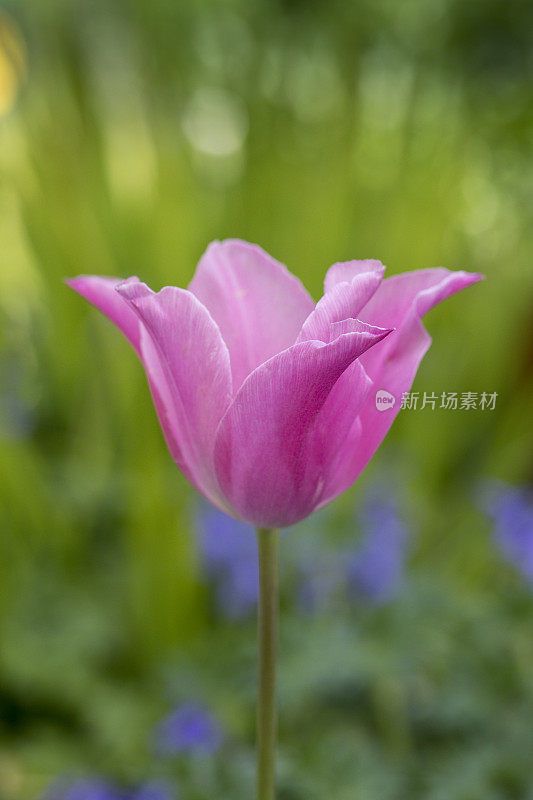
{"x":343,"y":299}
{"x":283,"y":431}
{"x":184,"y":349}
{"x":102,"y":293}
{"x":392,"y":365}
{"x":257,"y":304}
{"x":346,"y":271}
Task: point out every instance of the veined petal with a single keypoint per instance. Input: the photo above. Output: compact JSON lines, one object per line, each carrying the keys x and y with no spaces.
{"x":102,"y":293}
{"x":392,"y":365}
{"x":258,"y":305}
{"x":368,"y":335}
{"x":184,"y":347}
{"x":404,"y":299}
{"x":282,"y":432}
{"x":346,"y":271}
{"x":343,"y":299}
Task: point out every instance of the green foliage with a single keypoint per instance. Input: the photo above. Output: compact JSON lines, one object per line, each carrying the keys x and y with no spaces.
{"x":323,"y":131}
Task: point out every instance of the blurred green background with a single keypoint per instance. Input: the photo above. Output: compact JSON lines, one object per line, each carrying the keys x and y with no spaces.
{"x":131,"y":135}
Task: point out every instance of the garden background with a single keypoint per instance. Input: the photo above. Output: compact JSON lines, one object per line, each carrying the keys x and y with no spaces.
{"x":131,"y":135}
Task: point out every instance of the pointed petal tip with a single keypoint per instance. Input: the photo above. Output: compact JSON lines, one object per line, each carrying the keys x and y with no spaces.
{"x":92,"y":287}
{"x":85,"y":279}
{"x":463,"y":277}
{"x":379,"y":334}
{"x":468,"y":277}
{"x":441,"y":283}
{"x":349,"y":326}
{"x":132,"y":289}
{"x":77,"y":281}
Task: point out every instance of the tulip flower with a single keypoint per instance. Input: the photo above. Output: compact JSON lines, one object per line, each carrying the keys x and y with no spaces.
{"x":266,"y":399}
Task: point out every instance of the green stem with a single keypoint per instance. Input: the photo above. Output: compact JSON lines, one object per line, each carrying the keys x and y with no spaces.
{"x":268,"y":544}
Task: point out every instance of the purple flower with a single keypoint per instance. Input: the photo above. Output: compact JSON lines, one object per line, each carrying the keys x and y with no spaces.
{"x":319,"y":575}
{"x":229,"y":553}
{"x":375,"y":570}
{"x":512,"y":511}
{"x":315,"y":592}
{"x":152,"y":790}
{"x":17,"y":419}
{"x":98,"y":789}
{"x":191,"y":728}
{"x":84,"y":789}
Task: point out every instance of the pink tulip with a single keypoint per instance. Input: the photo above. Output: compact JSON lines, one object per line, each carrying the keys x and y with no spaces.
{"x":266,"y":400}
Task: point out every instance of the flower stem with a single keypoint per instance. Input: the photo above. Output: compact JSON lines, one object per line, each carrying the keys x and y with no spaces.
{"x":268,"y":545}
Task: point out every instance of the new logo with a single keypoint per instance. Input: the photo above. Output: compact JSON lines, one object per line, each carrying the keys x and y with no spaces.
{"x":384,"y":400}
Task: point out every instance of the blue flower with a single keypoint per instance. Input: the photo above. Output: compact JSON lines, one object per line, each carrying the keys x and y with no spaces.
{"x":84,"y":789}
{"x":512,"y":511}
{"x":319,"y":576}
{"x":152,"y":790}
{"x":375,"y":570}
{"x":191,"y":728}
{"x":229,"y":554}
{"x":98,"y":789}
{"x":17,"y":416}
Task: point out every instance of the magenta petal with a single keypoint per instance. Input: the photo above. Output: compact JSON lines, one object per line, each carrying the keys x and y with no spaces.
{"x":184,"y":351}
{"x":342,"y":300}
{"x":102,"y":292}
{"x":346,"y":271}
{"x":401,"y":300}
{"x":368,"y":335}
{"x":281,"y":435}
{"x":255,"y":301}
